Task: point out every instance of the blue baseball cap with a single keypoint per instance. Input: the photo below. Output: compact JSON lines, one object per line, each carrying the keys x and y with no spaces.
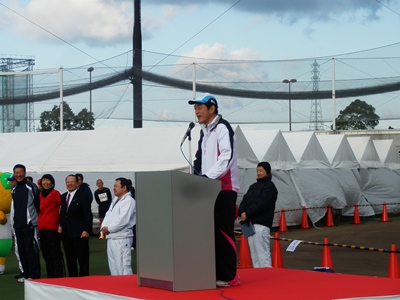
{"x":205,"y":99}
{"x":11,"y":178}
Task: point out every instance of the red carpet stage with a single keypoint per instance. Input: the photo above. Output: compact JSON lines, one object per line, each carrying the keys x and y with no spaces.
{"x":265,"y":283}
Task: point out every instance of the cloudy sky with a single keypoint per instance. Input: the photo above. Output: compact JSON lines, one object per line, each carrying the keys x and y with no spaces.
{"x":76,"y":34}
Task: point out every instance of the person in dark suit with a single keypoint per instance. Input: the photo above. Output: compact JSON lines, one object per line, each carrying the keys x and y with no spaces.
{"x":76,"y":220}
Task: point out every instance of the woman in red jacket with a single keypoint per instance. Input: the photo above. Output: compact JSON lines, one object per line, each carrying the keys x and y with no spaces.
{"x":48,"y":221}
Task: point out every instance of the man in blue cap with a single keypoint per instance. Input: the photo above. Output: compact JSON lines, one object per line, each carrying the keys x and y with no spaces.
{"x":219,"y":162}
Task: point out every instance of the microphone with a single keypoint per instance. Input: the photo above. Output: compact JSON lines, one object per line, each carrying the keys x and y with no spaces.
{"x":187,"y":134}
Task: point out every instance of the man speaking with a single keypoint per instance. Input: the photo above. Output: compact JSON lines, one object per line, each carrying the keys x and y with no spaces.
{"x":216,"y":159}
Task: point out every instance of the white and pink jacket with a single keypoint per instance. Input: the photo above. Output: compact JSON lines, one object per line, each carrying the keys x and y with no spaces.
{"x":216,"y":155}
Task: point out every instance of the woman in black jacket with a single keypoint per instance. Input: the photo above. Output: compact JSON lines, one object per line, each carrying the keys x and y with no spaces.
{"x":258,"y":207}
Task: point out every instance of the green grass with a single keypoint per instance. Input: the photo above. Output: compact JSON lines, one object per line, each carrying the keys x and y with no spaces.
{"x":12,"y":289}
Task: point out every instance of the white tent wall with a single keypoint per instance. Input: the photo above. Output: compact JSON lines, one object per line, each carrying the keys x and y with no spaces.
{"x":347,"y":181}
{"x":259,"y":140}
{"x":103,"y":150}
{"x":314,"y":181}
{"x":387,"y":153}
{"x":343,"y":160}
{"x":319,"y":188}
{"x":303,"y":170}
{"x":246,"y":156}
{"x":280,"y":154}
{"x":270,"y":146}
{"x":378,"y":184}
{"x":338,"y":151}
{"x":365,"y":152}
{"x":30,"y":149}
{"x":306,"y":149}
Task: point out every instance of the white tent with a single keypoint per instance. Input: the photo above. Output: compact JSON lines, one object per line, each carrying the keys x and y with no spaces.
{"x":306,"y":149}
{"x":387,"y":153}
{"x":305,"y":172}
{"x":365,"y":152}
{"x":246,"y":155}
{"x":378,"y":184}
{"x":315,"y":182}
{"x":108,"y":150}
{"x":338,"y":151}
{"x":343,"y":162}
{"x":269,"y":145}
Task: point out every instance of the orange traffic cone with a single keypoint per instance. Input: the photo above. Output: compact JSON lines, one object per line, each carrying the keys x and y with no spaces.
{"x":277,"y":261}
{"x":385,"y":217}
{"x":304,"y":219}
{"x":282,"y":222}
{"x":244,"y":255}
{"x":326,"y":255}
{"x":393,"y":271}
{"x":356,"y":218}
{"x":329,"y":218}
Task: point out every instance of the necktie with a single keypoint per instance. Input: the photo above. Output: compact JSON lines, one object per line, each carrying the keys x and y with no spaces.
{"x":68,"y":197}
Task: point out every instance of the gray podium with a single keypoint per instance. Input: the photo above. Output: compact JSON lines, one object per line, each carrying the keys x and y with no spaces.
{"x":175,"y":230}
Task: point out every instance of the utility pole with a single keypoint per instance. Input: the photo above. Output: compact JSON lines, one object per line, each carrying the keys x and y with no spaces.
{"x":137,"y":65}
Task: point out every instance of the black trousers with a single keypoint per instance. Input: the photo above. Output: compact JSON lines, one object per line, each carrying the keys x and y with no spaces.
{"x":225,"y":245}
{"x":28,"y":250}
{"x":76,"y":251}
{"x":51,"y":250}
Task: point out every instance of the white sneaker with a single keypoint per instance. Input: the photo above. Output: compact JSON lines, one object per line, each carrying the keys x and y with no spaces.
{"x":234,"y":282}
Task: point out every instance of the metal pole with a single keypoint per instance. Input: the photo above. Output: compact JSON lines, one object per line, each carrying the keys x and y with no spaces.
{"x":90,"y":70}
{"x":333,"y":95}
{"x":137,"y":64}
{"x":191,"y":171}
{"x":61,"y":100}
{"x":90,"y":84}
{"x":290,"y":100}
{"x":290,"y":110}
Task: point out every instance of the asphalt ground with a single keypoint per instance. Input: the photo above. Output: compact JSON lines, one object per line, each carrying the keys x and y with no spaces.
{"x":347,"y":257}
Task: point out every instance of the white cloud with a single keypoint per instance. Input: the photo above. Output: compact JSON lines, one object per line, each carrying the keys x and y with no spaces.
{"x":90,"y":21}
{"x":166,"y":114}
{"x":209,"y":57}
{"x":172,"y":11}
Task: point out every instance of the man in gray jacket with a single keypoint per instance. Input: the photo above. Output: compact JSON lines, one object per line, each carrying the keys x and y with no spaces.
{"x":25,"y":221}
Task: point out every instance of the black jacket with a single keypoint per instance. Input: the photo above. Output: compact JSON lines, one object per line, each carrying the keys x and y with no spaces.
{"x":259,"y":202}
{"x":26,"y":204}
{"x":79,"y":216}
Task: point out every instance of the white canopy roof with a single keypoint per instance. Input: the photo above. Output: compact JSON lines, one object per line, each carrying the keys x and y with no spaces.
{"x":338,"y":151}
{"x":107,"y":150}
{"x":365,"y":152}
{"x":269,"y":145}
{"x":387,"y":153}
{"x":306,"y":149}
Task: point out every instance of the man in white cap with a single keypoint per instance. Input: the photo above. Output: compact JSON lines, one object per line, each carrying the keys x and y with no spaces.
{"x":219,"y":162}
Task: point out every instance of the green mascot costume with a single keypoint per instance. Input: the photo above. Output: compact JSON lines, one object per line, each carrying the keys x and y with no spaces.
{"x":5,"y":218}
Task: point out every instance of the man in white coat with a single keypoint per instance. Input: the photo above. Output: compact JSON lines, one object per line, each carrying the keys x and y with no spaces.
{"x":117,"y":228}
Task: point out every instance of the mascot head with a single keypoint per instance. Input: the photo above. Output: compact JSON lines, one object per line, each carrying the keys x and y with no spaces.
{"x":5,"y":207}
{"x":5,"y":192}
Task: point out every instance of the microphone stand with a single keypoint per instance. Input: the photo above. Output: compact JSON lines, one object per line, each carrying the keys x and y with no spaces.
{"x":190,"y":152}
